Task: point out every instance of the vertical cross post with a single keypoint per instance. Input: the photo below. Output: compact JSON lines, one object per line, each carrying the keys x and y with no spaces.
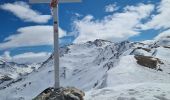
{"x":56,"y":44}
{"x":54,"y":5}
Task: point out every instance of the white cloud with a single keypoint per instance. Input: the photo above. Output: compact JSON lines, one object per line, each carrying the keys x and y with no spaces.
{"x":77,"y":14}
{"x":111,"y":8}
{"x":28,"y":57}
{"x":115,"y":27}
{"x":163,"y":39}
{"x":24,"y":12}
{"x":162,"y":19}
{"x":164,"y":34}
{"x":31,"y":36}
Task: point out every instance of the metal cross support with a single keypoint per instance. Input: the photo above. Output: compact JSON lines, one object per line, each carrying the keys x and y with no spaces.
{"x":54,"y":5}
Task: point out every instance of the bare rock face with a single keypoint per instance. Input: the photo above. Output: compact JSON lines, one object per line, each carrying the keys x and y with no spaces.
{"x":69,"y":93}
{"x":148,"y":61}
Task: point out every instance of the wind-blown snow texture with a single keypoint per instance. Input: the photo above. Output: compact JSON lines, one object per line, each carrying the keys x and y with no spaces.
{"x":104,"y":70}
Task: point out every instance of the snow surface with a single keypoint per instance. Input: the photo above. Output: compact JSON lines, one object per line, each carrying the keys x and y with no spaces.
{"x":140,"y":91}
{"x":104,"y":70}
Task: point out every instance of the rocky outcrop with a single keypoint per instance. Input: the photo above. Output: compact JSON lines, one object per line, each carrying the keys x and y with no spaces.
{"x":148,"y":61}
{"x":69,"y":93}
{"x":5,"y":78}
{"x":98,"y":42}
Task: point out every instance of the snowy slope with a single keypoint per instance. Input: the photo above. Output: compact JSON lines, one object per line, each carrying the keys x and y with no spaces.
{"x":140,"y":91}
{"x":103,"y":69}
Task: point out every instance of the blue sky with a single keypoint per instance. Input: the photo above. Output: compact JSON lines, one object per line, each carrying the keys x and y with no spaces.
{"x":115,"y":20}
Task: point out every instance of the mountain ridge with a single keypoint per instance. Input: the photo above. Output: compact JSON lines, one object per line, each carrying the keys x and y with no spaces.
{"x":96,"y":65}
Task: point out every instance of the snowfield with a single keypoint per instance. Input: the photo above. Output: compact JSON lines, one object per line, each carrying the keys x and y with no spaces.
{"x":104,"y":70}
{"x":140,"y":91}
{"x":129,"y":81}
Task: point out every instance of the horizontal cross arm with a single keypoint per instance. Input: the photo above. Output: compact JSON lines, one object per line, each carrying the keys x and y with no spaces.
{"x":48,"y":1}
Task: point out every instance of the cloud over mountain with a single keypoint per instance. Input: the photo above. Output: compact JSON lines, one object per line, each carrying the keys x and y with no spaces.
{"x":118,"y":26}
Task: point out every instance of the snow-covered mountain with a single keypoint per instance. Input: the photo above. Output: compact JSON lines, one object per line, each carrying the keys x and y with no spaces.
{"x":104,"y":70}
{"x":11,"y":71}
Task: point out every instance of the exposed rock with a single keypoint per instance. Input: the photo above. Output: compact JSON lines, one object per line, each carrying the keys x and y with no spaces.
{"x":69,"y":93}
{"x":98,"y":42}
{"x":148,"y":61}
{"x":160,"y":69}
{"x":108,"y":65}
{"x":146,"y":49}
{"x":167,"y":47}
{"x":6,"y":78}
